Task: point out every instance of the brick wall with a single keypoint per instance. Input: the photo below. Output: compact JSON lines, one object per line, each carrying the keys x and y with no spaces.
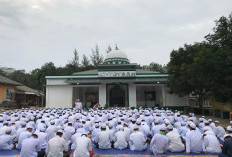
{"x":3,"y":88}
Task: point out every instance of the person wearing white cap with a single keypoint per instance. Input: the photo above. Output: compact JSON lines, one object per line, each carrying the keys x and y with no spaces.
{"x":24,"y":135}
{"x":95,"y":131}
{"x":43,"y":141}
{"x":175,"y":144}
{"x":207,"y":126}
{"x":82,"y":146}
{"x":193,"y":140}
{"x":137,"y":140}
{"x":67,"y":132}
{"x":6,"y":140}
{"x":156,"y":127}
{"x":30,"y":147}
{"x":159,"y":142}
{"x":219,"y":131}
{"x":121,"y":139}
{"x":210,"y":143}
{"x":78,"y":105}
{"x":51,"y":130}
{"x":103,"y":138}
{"x":4,"y":128}
{"x":56,"y":146}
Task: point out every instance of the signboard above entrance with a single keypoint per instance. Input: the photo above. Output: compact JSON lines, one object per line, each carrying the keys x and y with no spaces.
{"x":116,"y":73}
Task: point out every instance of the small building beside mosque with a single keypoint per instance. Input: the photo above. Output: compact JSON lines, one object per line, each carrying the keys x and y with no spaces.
{"x":115,"y":83}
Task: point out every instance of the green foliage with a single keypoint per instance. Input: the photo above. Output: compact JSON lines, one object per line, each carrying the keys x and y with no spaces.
{"x":96,"y":58}
{"x":206,"y":67}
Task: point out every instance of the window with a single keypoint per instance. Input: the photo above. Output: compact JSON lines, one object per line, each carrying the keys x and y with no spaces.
{"x":9,"y":93}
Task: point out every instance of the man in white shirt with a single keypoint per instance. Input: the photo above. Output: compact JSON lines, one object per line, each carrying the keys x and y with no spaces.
{"x":57,"y":145}
{"x":78,"y":105}
{"x":82,"y":146}
{"x":175,"y":144}
{"x":210,"y":143}
{"x":103,"y":139}
{"x":159,"y":142}
{"x":6,"y":140}
{"x":193,"y":140}
{"x":137,"y":140}
{"x":30,"y":147}
{"x":121,"y":139}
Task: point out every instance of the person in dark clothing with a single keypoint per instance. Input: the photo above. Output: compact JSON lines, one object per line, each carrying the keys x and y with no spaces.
{"x":227,"y":149}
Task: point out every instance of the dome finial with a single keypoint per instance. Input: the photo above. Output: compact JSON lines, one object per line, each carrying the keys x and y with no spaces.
{"x":116,"y":47}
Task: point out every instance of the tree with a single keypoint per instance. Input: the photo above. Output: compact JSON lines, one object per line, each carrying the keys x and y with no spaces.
{"x":109,"y":49}
{"x":221,"y":42}
{"x":189,"y":68}
{"x":96,"y":58}
{"x":75,"y":60}
{"x":85,"y":61}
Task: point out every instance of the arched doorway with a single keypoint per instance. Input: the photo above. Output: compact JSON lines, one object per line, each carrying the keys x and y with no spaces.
{"x":117,"y":96}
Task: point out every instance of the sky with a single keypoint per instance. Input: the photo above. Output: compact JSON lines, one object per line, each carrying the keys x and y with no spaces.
{"x":33,"y":32}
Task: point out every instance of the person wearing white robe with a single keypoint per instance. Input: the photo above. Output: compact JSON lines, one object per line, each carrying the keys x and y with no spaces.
{"x":30,"y":147}
{"x":175,"y":144}
{"x":78,"y":105}
{"x":137,"y":140}
{"x":24,"y":135}
{"x":159,"y":142}
{"x":219,"y":131}
{"x":210,"y":143}
{"x":42,"y":137}
{"x":193,"y":140}
{"x":51,"y":130}
{"x":6,"y":140}
{"x":56,"y":146}
{"x":82,"y":146}
{"x":121,"y":139}
{"x":103,"y":138}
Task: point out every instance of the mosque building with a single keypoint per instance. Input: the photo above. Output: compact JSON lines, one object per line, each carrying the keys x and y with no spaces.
{"x":115,"y":83}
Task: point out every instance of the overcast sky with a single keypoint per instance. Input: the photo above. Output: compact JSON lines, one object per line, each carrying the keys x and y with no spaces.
{"x":33,"y":32}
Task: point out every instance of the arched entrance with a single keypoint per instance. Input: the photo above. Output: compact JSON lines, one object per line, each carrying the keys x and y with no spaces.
{"x":117,"y":96}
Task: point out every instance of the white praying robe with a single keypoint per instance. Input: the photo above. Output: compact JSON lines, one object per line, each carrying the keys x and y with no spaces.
{"x":159,"y":144}
{"x":120,"y":139}
{"x":104,"y":139}
{"x":6,"y":142}
{"x":193,"y":141}
{"x":82,"y":147}
{"x":220,"y":132}
{"x":56,"y":146}
{"x":30,"y":147}
{"x":137,"y":141}
{"x":175,"y":144}
{"x":24,"y":135}
{"x":51,"y":131}
{"x":43,"y":140}
{"x":211,"y":144}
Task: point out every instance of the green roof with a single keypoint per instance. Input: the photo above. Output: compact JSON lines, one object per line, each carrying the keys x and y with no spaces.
{"x":141,"y":71}
{"x":5,"y":80}
{"x":88,"y":72}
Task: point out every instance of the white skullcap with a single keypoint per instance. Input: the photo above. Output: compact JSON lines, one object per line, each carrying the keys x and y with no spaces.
{"x":163,"y":128}
{"x":52,"y":122}
{"x":23,"y":123}
{"x":170,"y":126}
{"x":230,"y":122}
{"x":229,"y":128}
{"x":226,"y":135}
{"x":42,"y":129}
{"x":1,"y":119}
{"x":138,"y":122}
{"x":192,"y":125}
{"x":183,"y":123}
{"x":60,"y":131}
{"x":206,"y":122}
{"x":157,"y":121}
{"x":120,"y":128}
{"x":216,"y":121}
{"x":72,"y":131}
{"x":103,"y":126}
{"x":210,"y":120}
{"x":29,"y":127}
{"x":111,"y":124}
{"x":8,"y":130}
{"x":136,"y":127}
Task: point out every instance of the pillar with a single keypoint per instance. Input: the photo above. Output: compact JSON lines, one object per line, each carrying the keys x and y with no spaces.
{"x":102,"y":95}
{"x":132,"y":95}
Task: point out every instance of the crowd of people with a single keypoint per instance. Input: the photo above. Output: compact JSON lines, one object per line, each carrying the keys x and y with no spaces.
{"x":56,"y":132}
